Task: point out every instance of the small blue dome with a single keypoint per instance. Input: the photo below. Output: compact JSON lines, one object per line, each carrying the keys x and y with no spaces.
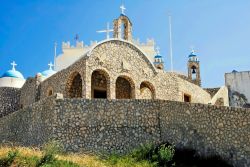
{"x":48,"y":73}
{"x":13,"y":74}
{"x":192,"y":54}
{"x":158,"y":57}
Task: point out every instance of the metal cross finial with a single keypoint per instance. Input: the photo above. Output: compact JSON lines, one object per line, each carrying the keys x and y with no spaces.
{"x":13,"y":65}
{"x":192,"y":49}
{"x":107,"y":31}
{"x":157,"y":50}
{"x":50,"y":65}
{"x":122,"y":7}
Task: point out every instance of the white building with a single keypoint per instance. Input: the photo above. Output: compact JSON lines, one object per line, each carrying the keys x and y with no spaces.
{"x":239,"y":88}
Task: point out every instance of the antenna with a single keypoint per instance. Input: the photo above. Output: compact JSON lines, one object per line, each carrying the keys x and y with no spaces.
{"x":170,"y":42}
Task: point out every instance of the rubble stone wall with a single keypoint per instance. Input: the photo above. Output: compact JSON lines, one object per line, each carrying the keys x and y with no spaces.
{"x":119,"y":125}
{"x":9,"y":100}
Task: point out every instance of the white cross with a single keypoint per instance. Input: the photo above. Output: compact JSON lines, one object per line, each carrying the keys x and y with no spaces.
{"x":13,"y":65}
{"x":192,"y":49}
{"x":158,"y":50}
{"x":107,"y":31}
{"x":122,"y":7}
{"x":50,"y":65}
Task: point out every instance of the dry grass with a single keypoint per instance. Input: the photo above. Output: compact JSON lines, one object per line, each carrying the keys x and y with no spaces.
{"x":30,"y":156}
{"x":83,"y":160}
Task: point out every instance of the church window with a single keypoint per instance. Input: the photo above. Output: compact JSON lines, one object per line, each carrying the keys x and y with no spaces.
{"x":125,"y":88}
{"x":187,"y":98}
{"x":50,"y":92}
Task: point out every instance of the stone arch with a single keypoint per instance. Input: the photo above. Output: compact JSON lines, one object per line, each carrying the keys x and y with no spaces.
{"x":74,"y":86}
{"x":130,"y":45}
{"x":124,"y":88}
{"x":147,"y":90}
{"x":50,"y":91}
{"x":100,"y":84}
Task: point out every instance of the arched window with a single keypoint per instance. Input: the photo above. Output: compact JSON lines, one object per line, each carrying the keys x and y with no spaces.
{"x":187,"y":98}
{"x":50,"y":92}
{"x":147,"y":90}
{"x":100,"y":84}
{"x":74,"y":86}
{"x":125,"y":88}
{"x":194,"y":72}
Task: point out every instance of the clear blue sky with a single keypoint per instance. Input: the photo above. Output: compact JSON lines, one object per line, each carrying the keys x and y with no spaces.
{"x":219,"y":30}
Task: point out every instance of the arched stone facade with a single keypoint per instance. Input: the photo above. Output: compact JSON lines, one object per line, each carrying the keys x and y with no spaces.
{"x":125,"y":88}
{"x":74,"y":86}
{"x":147,"y":90}
{"x":100,"y":84}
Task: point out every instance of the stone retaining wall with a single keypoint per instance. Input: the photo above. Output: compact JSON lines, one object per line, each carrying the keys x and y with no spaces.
{"x":9,"y":100}
{"x":120,"y":125}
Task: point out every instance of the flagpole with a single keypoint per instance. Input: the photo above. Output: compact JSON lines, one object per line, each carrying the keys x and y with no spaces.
{"x":170,"y":43}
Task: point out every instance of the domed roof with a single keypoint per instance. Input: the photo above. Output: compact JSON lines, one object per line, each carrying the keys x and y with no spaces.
{"x":49,"y":72}
{"x":13,"y":73}
{"x":158,"y":56}
{"x":192,"y":54}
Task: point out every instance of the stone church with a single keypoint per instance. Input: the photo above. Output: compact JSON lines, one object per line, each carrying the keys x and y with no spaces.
{"x":116,"y":68}
{"x":68,"y":103}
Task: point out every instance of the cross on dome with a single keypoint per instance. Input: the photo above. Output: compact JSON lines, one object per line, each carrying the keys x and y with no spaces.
{"x":158,"y":50}
{"x":13,"y":65}
{"x":192,"y":49}
{"x":122,"y":7}
{"x":50,"y":65}
{"x":107,"y":31}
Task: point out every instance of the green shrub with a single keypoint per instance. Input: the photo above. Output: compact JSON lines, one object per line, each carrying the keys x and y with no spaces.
{"x":161,"y":155}
{"x":7,"y":161}
{"x":165,"y":154}
{"x":144,"y":152}
{"x":50,"y":150}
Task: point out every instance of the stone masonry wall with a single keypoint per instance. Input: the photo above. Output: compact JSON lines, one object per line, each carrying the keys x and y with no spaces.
{"x":120,"y":125}
{"x":30,"y":126}
{"x":9,"y":100}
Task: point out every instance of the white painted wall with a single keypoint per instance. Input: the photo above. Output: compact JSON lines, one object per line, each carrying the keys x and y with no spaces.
{"x":240,"y":82}
{"x":12,"y":82}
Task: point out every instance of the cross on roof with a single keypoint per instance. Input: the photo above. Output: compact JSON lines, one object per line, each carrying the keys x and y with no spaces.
{"x":107,"y":31}
{"x":13,"y":65}
{"x":192,"y":49}
{"x":158,"y":50}
{"x":122,"y":7}
{"x":50,"y":65}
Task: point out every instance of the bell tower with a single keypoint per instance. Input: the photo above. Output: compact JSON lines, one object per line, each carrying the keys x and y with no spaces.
{"x":123,"y":26}
{"x":194,"y":68}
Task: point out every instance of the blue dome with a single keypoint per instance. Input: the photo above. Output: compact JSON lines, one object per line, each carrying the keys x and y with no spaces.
{"x":48,"y":73}
{"x":13,"y":74}
{"x":158,"y":56}
{"x":192,"y":54}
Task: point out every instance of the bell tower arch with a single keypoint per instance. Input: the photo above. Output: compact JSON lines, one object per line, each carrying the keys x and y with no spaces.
{"x":123,"y":27}
{"x":194,"y":68}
